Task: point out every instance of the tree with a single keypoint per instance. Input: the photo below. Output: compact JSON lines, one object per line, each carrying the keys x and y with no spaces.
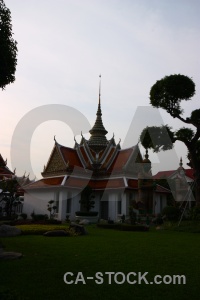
{"x":8,"y":48}
{"x":51,"y":208}
{"x":168,"y":93}
{"x":9,"y":196}
{"x":86,"y":198}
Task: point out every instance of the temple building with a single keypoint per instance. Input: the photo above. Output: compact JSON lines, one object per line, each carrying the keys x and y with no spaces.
{"x":182,"y":183}
{"x":118,"y":177}
{"x":11,"y":185}
{"x":5,"y":172}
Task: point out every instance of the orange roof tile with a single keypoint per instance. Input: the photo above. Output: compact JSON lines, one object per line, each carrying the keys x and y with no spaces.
{"x":45,"y":182}
{"x":121,"y":159}
{"x":70,"y":155}
{"x":95,"y":184}
{"x":74,"y":182}
{"x":166,"y":174}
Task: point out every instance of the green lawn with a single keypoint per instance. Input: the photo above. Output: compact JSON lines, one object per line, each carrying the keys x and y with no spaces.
{"x":39,"y":274}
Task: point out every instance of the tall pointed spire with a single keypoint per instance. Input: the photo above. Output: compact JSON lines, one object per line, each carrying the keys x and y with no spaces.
{"x":98,"y":139}
{"x":181,"y":162}
{"x":100,"y":90}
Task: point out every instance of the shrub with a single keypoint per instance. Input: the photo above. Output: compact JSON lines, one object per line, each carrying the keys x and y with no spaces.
{"x":53,"y":221}
{"x":132,"y":215}
{"x":87,"y":198}
{"x":21,"y":222}
{"x":39,"y":217}
{"x":158,"y":220}
{"x":172,"y":213}
{"x":38,"y":229}
{"x":194,"y":213}
{"x":23,"y":216}
{"x":88,"y":213}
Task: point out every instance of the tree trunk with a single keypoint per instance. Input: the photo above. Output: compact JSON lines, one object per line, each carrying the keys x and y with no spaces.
{"x":197,"y":188}
{"x":195,"y":164}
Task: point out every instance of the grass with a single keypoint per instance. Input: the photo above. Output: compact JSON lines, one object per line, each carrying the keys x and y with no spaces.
{"x":39,"y":274}
{"x":184,"y":226}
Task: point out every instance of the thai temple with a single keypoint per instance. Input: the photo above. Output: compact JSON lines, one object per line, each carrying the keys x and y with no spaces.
{"x":119,"y":178}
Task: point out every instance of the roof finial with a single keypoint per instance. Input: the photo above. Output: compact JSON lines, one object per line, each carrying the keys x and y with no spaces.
{"x":100,"y":89}
{"x":181,"y":162}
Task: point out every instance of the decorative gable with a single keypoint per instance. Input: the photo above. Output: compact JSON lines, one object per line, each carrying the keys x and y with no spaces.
{"x":55,"y":163}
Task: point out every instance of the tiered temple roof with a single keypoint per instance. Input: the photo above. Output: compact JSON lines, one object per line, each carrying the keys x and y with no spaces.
{"x":4,"y":170}
{"x":98,"y":162}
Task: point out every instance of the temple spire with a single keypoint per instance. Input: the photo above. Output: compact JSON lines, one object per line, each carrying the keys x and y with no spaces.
{"x":98,"y":139}
{"x":100,"y":90}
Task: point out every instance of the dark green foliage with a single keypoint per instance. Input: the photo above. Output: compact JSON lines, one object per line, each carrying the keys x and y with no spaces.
{"x":10,"y":198}
{"x":8,"y":48}
{"x":51,"y":207}
{"x":158,"y":220}
{"x":168,"y":92}
{"x":39,"y":217}
{"x":23,"y":216}
{"x":87,"y":198}
{"x":132,"y":215}
{"x":86,"y":213}
{"x":157,"y":138}
{"x":195,"y":116}
{"x":194,"y":213}
{"x":184,"y":134}
{"x":171,"y":212}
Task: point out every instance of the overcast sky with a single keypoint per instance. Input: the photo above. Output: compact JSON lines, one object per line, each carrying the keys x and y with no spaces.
{"x":64,"y":45}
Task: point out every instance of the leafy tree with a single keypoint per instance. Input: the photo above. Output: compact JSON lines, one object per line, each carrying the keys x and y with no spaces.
{"x":168,"y":93}
{"x":51,"y":207}
{"x":8,"y":48}
{"x":9,"y":196}
{"x":87,"y":198}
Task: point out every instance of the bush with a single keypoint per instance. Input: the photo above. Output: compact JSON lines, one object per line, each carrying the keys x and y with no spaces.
{"x":23,"y":216}
{"x":39,"y":217}
{"x":38,"y":229}
{"x":132,"y":215}
{"x":194,"y":213}
{"x":172,"y":213}
{"x":158,"y":220}
{"x":88,"y":213}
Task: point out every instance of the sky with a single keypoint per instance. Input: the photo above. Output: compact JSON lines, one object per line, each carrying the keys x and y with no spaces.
{"x":64,"y":45}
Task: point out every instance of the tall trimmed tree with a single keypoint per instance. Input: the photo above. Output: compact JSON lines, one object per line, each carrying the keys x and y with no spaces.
{"x":167,"y":94}
{"x":8,"y":48}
